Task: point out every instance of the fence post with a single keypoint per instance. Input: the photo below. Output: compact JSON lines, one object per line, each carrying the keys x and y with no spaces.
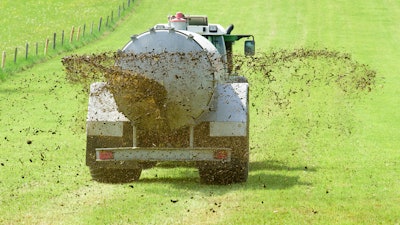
{"x":129,"y":3}
{"x":26,"y":50}
{"x":78,"y":33}
{"x":15,"y":55}
{"x":37,"y":48}
{"x":84,"y":29}
{"x":119,"y":11}
{"x":112,"y":15}
{"x":62,"y":38}
{"x":91,"y":28}
{"x":3,"y":59}
{"x":54,"y":40}
{"x":46,"y":46}
{"x":71,"y":36}
{"x":101,"y":19}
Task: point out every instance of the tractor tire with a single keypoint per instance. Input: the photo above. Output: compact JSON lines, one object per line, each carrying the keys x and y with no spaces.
{"x":223,"y":173}
{"x":234,"y":172}
{"x":113,"y":172}
{"x":115,"y":175}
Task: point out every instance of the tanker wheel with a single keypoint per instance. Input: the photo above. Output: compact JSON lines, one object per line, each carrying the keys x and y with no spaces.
{"x":234,"y":172}
{"x":115,"y":175}
{"x":109,"y":173}
{"x":222,"y":173}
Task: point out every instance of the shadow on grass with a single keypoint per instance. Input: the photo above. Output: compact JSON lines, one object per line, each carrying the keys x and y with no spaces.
{"x":260,"y":173}
{"x":275,"y":165}
{"x":272,"y":165}
{"x":268,"y":175}
{"x":257,"y":181}
{"x":274,"y":181}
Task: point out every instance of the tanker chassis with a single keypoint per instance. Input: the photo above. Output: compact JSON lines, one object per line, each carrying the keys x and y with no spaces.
{"x":205,"y":108}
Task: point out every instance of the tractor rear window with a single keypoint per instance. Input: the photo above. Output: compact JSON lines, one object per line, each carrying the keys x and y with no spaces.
{"x":218,"y":42}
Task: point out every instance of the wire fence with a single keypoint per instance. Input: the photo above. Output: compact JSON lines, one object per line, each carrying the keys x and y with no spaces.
{"x":63,"y":40}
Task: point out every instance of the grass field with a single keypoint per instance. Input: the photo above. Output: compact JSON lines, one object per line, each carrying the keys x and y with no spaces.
{"x":329,"y":158}
{"x":34,"y":21}
{"x":65,"y":25}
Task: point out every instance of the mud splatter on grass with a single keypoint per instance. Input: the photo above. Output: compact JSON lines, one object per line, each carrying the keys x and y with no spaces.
{"x":309,"y":67}
{"x":308,"y":96}
{"x":313,"y":82}
{"x":141,"y":99}
{"x":153,"y":89}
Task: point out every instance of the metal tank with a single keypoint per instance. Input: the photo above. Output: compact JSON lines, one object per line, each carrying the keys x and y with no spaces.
{"x":185,"y":63}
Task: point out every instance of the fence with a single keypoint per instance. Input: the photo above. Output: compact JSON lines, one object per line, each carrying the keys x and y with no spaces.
{"x":75,"y":35}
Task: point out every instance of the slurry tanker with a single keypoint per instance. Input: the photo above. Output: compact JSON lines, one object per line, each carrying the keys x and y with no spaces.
{"x":178,"y":101}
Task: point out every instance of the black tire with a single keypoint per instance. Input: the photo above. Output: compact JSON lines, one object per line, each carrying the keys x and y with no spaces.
{"x":113,"y":172}
{"x":115,"y":175}
{"x":223,"y":173}
{"x":147,"y":165}
{"x":233,"y":172}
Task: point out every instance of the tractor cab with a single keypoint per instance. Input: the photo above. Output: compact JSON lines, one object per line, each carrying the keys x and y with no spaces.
{"x":220,"y":37}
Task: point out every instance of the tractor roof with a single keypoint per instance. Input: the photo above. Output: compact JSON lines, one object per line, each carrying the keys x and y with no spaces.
{"x":196,"y":24}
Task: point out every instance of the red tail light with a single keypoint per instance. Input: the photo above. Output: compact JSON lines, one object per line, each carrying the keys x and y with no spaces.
{"x":106,"y":155}
{"x":221,"y":154}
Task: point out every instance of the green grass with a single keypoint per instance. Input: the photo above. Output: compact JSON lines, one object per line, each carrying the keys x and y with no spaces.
{"x":32,"y":22}
{"x":301,"y":172}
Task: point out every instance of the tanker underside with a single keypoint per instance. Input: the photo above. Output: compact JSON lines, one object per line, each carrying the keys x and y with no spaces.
{"x":117,"y":150}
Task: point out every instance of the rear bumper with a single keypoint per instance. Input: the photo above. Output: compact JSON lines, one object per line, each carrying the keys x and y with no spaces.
{"x":163,"y":154}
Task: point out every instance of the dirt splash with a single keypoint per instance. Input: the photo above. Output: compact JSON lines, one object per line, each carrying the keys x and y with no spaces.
{"x":306,"y":94}
{"x":286,"y":78}
{"x":140,"y":99}
{"x":166,"y":90}
{"x":311,"y":66}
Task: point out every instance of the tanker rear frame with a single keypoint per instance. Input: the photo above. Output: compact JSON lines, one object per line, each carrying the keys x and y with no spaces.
{"x":117,"y":150}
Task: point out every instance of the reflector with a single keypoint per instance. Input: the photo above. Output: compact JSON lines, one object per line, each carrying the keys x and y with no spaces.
{"x":221,"y":154}
{"x":106,"y":155}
